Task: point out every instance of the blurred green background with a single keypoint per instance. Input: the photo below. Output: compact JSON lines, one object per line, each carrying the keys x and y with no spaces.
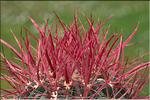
{"x":126,"y":14}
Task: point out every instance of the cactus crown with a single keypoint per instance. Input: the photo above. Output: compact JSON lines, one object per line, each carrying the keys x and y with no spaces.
{"x":80,"y":64}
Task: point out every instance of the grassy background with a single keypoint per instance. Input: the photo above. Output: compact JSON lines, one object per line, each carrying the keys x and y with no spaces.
{"x":126,"y":14}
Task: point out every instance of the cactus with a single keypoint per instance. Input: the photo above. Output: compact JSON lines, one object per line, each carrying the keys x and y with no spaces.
{"x":80,"y":64}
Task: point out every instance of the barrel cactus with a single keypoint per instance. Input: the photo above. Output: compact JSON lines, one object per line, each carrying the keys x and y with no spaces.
{"x":72,"y":62}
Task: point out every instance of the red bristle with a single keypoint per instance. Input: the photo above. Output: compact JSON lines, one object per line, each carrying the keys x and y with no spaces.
{"x":37,"y":27}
